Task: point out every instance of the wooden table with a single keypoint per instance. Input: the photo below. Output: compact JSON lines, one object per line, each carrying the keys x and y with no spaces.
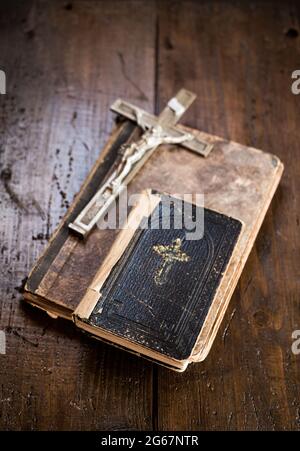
{"x":65,"y":63}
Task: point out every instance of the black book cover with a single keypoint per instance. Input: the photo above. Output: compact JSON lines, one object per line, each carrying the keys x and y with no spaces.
{"x":160,"y":291}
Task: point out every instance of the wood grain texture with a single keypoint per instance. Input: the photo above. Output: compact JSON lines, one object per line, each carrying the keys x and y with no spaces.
{"x":65,"y":67}
{"x":238,"y":57}
{"x":68,"y":62}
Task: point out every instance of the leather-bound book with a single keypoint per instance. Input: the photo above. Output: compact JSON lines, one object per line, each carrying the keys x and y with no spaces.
{"x":154,"y":290}
{"x":164,"y":296}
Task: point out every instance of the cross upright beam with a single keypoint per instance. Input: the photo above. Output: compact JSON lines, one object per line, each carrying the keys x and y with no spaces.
{"x":157,"y":130}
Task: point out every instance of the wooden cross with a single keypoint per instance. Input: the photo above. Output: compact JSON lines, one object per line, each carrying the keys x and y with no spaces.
{"x":157,"y":130}
{"x":170,"y":254}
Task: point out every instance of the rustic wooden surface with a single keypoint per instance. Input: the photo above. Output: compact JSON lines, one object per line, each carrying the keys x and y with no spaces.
{"x":65,"y":63}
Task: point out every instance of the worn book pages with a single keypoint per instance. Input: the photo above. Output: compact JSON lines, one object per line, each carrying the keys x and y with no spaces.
{"x":236,"y":180}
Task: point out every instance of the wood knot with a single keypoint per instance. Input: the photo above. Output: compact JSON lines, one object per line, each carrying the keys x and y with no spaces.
{"x":262,"y":318}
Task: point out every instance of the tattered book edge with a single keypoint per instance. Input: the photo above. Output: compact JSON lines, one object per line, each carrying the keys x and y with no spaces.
{"x":128,"y":345}
{"x":43,"y":304}
{"x":218,"y":309}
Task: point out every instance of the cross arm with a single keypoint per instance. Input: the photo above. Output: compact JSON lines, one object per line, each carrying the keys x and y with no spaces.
{"x":157,"y":131}
{"x":175,"y":107}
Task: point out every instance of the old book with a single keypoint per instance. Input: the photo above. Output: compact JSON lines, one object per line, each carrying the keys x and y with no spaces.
{"x":153,"y":292}
{"x":237,"y":181}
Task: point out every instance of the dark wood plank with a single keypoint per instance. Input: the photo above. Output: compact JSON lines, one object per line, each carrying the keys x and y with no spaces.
{"x":65,"y":63}
{"x":68,"y":62}
{"x":238,"y":57}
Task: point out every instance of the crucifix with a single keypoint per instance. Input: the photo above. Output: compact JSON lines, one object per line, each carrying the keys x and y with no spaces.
{"x":156,"y":131}
{"x":170,"y":254}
